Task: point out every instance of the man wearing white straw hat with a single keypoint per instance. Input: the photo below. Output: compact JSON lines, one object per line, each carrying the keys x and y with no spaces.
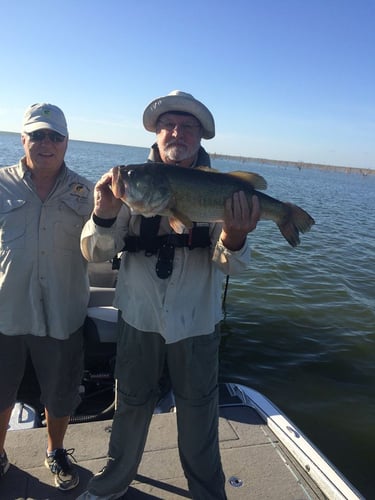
{"x":44,"y":287}
{"x":170,"y":308}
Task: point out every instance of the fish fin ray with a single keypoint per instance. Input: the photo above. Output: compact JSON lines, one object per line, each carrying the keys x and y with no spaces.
{"x":178,"y":221}
{"x":298,"y":220}
{"x":205,"y":168}
{"x":256,"y":180}
{"x":176,"y":225}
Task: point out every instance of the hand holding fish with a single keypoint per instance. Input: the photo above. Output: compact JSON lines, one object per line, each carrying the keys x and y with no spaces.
{"x":239,"y":220}
{"x":107,"y":205}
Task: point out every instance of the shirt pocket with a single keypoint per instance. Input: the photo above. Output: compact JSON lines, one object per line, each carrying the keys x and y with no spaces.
{"x":68,"y":227}
{"x":12,"y":224}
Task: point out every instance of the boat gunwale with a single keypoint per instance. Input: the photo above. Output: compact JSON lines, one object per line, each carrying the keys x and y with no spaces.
{"x":327,"y":477}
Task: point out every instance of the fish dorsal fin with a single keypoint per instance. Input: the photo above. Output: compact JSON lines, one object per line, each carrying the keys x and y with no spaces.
{"x":204,"y":168}
{"x":256,"y":180}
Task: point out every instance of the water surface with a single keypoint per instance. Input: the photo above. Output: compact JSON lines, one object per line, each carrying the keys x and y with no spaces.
{"x":299,"y":323}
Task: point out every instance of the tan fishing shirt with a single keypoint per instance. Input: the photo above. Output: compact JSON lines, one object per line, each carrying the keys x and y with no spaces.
{"x":186,"y":304}
{"x":44,"y":287}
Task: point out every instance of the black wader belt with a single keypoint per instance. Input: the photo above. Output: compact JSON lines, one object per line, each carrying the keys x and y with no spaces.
{"x":165,"y":245}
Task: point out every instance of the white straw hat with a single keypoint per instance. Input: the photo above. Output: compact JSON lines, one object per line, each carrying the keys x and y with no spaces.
{"x":182,"y":102}
{"x":44,"y":115}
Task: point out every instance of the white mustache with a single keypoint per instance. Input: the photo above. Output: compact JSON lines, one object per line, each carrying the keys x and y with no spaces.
{"x":175,"y":143}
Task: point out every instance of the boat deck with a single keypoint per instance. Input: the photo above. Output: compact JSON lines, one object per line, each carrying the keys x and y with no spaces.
{"x":260,"y":466}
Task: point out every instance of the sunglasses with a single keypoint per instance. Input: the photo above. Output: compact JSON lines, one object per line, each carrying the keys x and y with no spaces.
{"x":40,"y":135}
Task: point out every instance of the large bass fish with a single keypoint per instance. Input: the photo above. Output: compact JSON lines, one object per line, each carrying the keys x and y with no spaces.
{"x":198,"y":194}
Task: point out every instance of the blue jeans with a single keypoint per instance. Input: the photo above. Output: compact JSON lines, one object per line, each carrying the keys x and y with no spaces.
{"x":193,"y":369}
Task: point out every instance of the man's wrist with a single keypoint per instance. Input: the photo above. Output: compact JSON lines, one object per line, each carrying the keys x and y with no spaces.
{"x":102,"y":222}
{"x":233,"y":243}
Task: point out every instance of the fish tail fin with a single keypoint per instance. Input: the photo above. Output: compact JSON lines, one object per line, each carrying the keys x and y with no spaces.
{"x":296,"y":221}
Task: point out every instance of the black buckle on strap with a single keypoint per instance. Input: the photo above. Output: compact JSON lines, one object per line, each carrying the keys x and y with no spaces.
{"x":164,"y":264}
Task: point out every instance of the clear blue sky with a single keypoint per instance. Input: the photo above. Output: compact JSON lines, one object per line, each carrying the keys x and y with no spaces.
{"x":285,"y":79}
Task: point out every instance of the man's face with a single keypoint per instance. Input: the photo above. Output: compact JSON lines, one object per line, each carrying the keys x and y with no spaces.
{"x":44,"y":149}
{"x":178,"y":137}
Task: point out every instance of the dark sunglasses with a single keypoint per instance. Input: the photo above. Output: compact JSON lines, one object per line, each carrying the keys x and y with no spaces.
{"x":40,"y":135}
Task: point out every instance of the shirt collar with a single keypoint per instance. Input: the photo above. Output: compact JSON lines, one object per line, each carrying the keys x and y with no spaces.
{"x":24,"y":171}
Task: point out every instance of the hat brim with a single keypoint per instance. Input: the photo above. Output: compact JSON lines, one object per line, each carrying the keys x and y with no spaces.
{"x":171,"y":103}
{"x":33,"y":127}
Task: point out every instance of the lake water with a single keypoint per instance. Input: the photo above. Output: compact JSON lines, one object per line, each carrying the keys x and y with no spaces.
{"x":300,"y":323}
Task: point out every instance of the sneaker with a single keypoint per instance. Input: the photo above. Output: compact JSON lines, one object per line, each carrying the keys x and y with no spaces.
{"x":4,"y":464}
{"x":66,"y":477}
{"x":90,"y":496}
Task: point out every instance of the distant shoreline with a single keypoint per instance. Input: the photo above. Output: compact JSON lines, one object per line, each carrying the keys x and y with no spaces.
{"x":264,"y":161}
{"x":296,"y":164}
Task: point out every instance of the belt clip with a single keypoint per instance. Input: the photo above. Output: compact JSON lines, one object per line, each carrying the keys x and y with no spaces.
{"x":164,"y":264}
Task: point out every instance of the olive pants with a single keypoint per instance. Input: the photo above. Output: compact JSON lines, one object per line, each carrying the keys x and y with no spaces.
{"x":193,"y":369}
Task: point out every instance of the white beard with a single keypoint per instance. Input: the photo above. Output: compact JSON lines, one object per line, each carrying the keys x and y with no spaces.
{"x":177,"y":152}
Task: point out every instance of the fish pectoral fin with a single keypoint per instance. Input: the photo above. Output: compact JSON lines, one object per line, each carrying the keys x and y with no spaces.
{"x":256,"y":180}
{"x":178,"y":221}
{"x":176,"y":225}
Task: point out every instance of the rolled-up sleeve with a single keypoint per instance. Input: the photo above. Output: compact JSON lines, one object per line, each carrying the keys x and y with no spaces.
{"x":231,"y":262}
{"x":228,"y":261}
{"x":99,"y":244}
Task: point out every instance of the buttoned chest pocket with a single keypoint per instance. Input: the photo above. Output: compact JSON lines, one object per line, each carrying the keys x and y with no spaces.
{"x":68,"y":226}
{"x":12,"y":224}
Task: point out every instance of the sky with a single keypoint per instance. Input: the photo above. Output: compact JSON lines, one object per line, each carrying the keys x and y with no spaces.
{"x":289,"y":80}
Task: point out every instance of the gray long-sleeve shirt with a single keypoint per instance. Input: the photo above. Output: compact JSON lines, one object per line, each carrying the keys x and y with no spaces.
{"x":186,"y":304}
{"x":44,"y":287}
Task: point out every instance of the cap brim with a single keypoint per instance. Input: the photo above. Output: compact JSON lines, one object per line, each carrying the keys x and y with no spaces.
{"x":33,"y":127}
